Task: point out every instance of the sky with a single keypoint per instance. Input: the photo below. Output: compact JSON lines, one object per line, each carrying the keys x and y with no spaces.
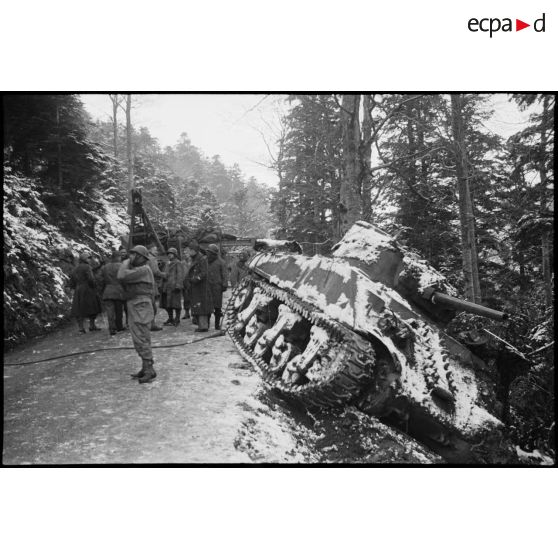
{"x":230,"y":126}
{"x":237,"y":127}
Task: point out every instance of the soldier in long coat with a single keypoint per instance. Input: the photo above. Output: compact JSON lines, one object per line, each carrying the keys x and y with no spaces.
{"x":218,"y":280}
{"x":173,"y":284}
{"x":158,"y":275}
{"x":86,"y":302}
{"x":187,"y":262}
{"x":202,"y":305}
{"x":112,"y":292}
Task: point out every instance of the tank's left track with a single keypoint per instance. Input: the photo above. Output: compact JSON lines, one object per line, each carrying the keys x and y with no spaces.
{"x":296,"y":348}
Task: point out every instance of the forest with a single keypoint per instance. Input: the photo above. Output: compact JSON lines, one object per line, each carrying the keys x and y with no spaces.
{"x":423,"y":167}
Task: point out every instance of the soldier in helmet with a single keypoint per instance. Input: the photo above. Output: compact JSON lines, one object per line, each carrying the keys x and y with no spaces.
{"x":173,"y":283}
{"x":200,"y":293}
{"x":138,"y":282}
{"x":217,"y":277}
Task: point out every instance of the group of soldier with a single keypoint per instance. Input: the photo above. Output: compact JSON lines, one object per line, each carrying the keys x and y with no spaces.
{"x":137,"y":287}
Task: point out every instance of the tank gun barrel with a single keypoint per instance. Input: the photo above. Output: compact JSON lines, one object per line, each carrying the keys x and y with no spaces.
{"x":459,"y":304}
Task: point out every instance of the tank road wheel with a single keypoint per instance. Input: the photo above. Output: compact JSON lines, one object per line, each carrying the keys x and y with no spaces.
{"x":296,"y":349}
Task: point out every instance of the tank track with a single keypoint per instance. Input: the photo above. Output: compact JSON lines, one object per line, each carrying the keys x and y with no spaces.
{"x":328,"y":369}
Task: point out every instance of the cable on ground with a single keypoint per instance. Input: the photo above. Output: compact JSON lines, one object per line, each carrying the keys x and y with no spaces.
{"x":220,"y":334}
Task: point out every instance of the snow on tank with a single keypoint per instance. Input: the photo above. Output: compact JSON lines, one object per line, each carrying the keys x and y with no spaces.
{"x":364,"y":327}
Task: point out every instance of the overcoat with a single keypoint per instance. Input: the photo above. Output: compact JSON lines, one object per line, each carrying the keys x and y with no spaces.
{"x":173,"y":283}
{"x":110,"y":285}
{"x":154,"y":265}
{"x":187,"y":262}
{"x":202,"y":304}
{"x":218,"y":279}
{"x":86,"y":301}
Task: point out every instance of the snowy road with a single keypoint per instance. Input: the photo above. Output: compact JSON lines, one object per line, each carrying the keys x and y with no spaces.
{"x":206,"y":406}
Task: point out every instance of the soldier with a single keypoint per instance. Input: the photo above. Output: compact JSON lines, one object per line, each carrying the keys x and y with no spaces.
{"x":154,"y":265}
{"x":217,"y":279}
{"x":187,"y":262}
{"x":138,"y":281}
{"x":200,"y":293}
{"x":86,"y":302}
{"x":240,"y":270}
{"x":112,"y":292}
{"x":124,"y":256}
{"x":173,"y":283}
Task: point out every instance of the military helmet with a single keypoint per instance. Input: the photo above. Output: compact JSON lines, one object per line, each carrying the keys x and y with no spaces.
{"x":141,"y":250}
{"x":173,"y":251}
{"x":213,"y":248}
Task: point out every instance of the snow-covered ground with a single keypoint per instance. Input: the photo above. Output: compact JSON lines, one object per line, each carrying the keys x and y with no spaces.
{"x":206,"y":406}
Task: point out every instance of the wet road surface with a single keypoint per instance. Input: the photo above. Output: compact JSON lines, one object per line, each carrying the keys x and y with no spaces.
{"x":206,"y":406}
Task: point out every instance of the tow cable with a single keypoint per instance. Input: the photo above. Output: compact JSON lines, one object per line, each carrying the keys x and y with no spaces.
{"x":220,"y":334}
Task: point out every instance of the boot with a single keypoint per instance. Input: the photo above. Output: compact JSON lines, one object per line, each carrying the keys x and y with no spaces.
{"x":218,"y":315}
{"x":149,"y":374}
{"x":141,"y":373}
{"x":169,"y":321}
{"x":186,"y":313}
{"x":155,"y":327}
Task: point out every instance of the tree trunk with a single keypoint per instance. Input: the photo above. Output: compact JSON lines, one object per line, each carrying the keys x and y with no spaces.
{"x":366,"y":158}
{"x":59,"y":147}
{"x":466,"y":216}
{"x":421,"y":148}
{"x":129,"y":151}
{"x":349,"y":194}
{"x":115,"y":104}
{"x":545,"y":240}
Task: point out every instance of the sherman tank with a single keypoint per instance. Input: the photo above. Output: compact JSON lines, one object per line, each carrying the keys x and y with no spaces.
{"x":366,"y":327}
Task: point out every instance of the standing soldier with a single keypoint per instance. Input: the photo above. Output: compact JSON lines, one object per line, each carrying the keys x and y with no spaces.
{"x":124,"y":256}
{"x":202,"y":305}
{"x":240,"y":270}
{"x":187,"y":261}
{"x":112,"y":292}
{"x":86,"y":302}
{"x":218,"y":280}
{"x":154,"y":265}
{"x":173,"y":283}
{"x":137,"y":278}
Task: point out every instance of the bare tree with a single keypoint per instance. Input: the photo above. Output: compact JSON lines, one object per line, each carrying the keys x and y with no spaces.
{"x":130,"y":156}
{"x":116,"y":101}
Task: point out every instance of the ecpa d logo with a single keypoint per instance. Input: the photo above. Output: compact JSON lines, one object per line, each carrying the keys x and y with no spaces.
{"x":492,"y":25}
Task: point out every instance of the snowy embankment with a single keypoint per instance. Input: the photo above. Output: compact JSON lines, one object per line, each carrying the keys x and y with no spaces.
{"x":38,"y":256}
